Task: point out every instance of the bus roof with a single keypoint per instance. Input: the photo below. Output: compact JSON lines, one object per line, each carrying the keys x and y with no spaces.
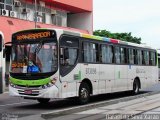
{"x":79,"y":34}
{"x":105,"y":39}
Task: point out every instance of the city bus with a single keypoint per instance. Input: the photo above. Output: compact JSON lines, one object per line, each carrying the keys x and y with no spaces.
{"x":56,"y":63}
{"x":2,"y":64}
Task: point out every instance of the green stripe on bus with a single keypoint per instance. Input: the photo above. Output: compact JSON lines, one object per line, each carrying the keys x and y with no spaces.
{"x":29,"y":82}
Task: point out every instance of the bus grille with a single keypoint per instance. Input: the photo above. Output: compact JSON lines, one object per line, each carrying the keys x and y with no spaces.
{"x":29,"y":92}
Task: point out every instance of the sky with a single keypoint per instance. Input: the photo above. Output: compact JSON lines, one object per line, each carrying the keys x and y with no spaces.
{"x":140,"y":17}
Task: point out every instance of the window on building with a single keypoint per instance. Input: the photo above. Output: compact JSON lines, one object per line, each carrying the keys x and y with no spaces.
{"x":6,"y":4}
{"x":1,"y":1}
{"x":90,"y":52}
{"x":9,"y":7}
{"x":106,"y":54}
{"x":9,"y":2}
{"x":43,"y":18}
{"x":1,"y":6}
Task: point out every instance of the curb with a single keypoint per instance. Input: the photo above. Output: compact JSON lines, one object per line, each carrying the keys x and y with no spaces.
{"x":76,"y":109}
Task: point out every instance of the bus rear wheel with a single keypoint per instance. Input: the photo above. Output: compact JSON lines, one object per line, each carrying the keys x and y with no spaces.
{"x":136,"y":86}
{"x":84,"y":93}
{"x":43,"y":100}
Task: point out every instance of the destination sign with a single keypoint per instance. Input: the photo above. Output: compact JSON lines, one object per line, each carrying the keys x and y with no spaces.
{"x":33,"y":35}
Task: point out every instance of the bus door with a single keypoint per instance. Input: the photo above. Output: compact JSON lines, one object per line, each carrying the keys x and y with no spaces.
{"x":69,"y":67}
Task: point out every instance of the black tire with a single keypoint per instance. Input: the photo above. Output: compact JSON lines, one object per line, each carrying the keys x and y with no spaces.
{"x":136,"y":86}
{"x":43,"y":100}
{"x":84,"y":93}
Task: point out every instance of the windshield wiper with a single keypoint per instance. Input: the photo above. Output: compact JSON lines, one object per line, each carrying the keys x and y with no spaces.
{"x":38,"y":48}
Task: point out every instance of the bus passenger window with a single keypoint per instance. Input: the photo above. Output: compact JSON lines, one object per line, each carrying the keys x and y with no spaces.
{"x":123,"y":55}
{"x":131,"y":56}
{"x":135,"y":56}
{"x":106,"y":54}
{"x":152,"y":59}
{"x":90,"y":52}
{"x":139,"y":56}
{"x":145,"y":59}
{"x":117,"y":55}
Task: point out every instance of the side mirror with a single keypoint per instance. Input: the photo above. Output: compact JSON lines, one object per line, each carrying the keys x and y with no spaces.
{"x":4,"y":49}
{"x":4,"y":52}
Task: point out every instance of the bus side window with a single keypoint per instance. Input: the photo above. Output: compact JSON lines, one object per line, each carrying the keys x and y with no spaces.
{"x":139,"y":56}
{"x":90,"y":52}
{"x":117,"y":55}
{"x":123,"y":55}
{"x":152,"y":59}
{"x":135,"y":56}
{"x":131,"y":56}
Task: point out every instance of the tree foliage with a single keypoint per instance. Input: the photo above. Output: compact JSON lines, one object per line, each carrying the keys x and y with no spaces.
{"x":120,"y":36}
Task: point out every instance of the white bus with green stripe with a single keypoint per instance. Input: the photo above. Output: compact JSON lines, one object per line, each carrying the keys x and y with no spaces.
{"x":55,"y":63}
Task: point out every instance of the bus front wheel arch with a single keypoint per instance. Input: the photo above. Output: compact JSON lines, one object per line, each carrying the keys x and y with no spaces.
{"x":85,"y":90}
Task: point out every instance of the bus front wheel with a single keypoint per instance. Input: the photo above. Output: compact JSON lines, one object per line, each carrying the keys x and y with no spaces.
{"x":84,"y":93}
{"x":136,"y":86}
{"x":43,"y":100}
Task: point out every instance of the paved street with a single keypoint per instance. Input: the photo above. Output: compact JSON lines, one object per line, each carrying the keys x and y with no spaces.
{"x":29,"y":109}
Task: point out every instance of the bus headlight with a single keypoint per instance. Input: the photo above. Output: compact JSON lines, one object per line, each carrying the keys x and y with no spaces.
{"x":53,"y":81}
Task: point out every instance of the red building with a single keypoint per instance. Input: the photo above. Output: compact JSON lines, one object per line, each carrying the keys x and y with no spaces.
{"x":16,"y":15}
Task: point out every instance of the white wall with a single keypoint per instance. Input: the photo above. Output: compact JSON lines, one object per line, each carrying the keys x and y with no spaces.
{"x":81,"y":21}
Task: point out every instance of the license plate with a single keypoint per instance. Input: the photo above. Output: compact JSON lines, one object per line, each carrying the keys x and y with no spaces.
{"x":28,"y":91}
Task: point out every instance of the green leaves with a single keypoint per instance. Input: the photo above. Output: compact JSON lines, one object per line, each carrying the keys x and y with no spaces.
{"x":120,"y":36}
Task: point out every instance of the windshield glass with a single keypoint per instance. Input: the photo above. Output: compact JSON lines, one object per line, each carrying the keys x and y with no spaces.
{"x":34,"y":58}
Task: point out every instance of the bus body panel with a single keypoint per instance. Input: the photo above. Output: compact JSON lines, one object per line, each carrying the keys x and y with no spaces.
{"x":121,"y":77}
{"x":70,"y":81}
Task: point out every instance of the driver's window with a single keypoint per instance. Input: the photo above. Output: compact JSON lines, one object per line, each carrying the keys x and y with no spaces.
{"x":68,"y":56}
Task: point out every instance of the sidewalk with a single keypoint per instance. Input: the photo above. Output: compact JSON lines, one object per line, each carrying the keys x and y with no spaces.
{"x":148,"y":105}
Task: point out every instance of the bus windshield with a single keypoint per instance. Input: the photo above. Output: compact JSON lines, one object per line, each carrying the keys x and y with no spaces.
{"x":34,"y":58}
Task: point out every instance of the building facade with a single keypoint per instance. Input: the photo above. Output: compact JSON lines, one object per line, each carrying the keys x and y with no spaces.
{"x":16,"y":15}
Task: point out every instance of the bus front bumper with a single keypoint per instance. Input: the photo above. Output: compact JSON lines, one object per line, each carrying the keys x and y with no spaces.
{"x":51,"y":92}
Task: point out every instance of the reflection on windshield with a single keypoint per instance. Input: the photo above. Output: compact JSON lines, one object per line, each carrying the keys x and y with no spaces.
{"x":34,"y":58}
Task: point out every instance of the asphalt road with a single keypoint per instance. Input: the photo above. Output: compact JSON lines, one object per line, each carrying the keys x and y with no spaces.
{"x":22,"y":107}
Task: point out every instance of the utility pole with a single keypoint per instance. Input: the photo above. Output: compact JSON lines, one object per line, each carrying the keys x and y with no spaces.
{"x":35,"y":12}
